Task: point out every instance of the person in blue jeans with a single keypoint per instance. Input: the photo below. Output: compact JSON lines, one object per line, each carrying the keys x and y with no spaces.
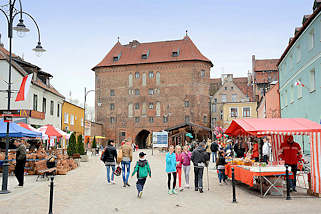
{"x":220,"y":165}
{"x":109,"y":157}
{"x":127,"y":152}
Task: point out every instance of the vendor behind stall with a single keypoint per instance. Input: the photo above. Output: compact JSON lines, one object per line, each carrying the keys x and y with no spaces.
{"x":255,"y":152}
{"x":291,"y":153}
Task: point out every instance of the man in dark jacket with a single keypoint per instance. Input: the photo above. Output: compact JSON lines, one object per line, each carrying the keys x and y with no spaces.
{"x":109,"y":157}
{"x":20,"y":162}
{"x":214,"y":149}
{"x":200,"y":159}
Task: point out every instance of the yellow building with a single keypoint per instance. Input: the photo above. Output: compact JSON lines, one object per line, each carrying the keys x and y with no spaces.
{"x":233,"y":111}
{"x":72,"y":119}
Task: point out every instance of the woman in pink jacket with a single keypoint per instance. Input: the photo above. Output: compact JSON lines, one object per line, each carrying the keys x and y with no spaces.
{"x":179,"y":166}
{"x":186,"y":162}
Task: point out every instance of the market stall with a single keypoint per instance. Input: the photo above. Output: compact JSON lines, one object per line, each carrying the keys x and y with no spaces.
{"x":52,"y":133}
{"x":278,"y":129}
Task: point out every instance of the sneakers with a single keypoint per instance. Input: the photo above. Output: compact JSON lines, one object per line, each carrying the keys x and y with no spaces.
{"x":174,"y":191}
{"x":124,"y":185}
{"x":108,"y":182}
{"x":140,"y":194}
{"x":170,"y":192}
{"x":187,"y":186}
{"x":196,"y":189}
{"x":201,"y":190}
{"x":18,"y":187}
{"x":127,"y":185}
{"x":113,"y":182}
{"x":181,"y":189}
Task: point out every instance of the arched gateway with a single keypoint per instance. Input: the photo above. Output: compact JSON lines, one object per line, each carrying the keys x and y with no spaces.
{"x":141,"y":139}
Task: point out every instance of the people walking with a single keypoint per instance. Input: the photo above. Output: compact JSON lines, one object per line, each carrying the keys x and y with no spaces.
{"x":143,"y":170}
{"x":199,"y":159}
{"x":109,"y":157}
{"x":20,"y":162}
{"x":179,"y":166}
{"x":171,"y":169}
{"x":214,"y":149}
{"x":186,"y":162}
{"x":127,"y":156}
{"x":220,"y":165}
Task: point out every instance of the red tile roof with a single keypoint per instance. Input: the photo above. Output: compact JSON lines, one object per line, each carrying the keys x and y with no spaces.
{"x":157,"y":52}
{"x":305,"y":25}
{"x":266,"y":65}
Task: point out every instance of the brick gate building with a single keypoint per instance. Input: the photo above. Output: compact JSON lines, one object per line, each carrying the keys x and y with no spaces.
{"x":145,"y":87}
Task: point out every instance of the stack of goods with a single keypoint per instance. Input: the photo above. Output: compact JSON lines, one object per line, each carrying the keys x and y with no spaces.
{"x":65,"y":165}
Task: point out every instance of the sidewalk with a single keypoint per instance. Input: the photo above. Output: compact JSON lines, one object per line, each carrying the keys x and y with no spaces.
{"x":85,"y":190}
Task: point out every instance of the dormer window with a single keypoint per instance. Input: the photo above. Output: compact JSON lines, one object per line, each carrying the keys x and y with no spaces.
{"x":175,"y":53}
{"x":115,"y":59}
{"x":144,"y":56}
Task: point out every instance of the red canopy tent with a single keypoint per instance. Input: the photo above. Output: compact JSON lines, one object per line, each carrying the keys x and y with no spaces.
{"x":278,"y":128}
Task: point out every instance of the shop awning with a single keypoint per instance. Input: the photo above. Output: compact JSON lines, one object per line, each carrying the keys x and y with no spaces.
{"x":272,"y":126}
{"x":16,"y":130}
{"x":51,"y":131}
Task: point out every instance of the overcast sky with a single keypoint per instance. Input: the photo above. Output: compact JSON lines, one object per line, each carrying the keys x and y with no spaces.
{"x":78,"y":34}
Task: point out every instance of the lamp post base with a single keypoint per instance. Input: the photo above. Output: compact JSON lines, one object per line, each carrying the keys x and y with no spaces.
{"x":4,"y":191}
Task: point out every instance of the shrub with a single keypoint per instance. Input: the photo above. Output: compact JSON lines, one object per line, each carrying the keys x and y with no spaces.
{"x":80,"y":145}
{"x":94,"y":143}
{"x":71,"y":149}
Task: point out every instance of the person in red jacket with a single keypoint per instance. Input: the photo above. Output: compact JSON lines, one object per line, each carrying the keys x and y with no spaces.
{"x":291,"y":153}
{"x":255,"y":152}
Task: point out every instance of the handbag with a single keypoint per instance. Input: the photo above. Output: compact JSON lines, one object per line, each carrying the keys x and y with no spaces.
{"x":120,"y":156}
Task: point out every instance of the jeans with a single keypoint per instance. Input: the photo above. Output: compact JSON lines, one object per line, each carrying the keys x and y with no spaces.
{"x":186,"y":170}
{"x":214,"y":156}
{"x":125,"y":165}
{"x":198,"y":174}
{"x":294,"y":169}
{"x":108,"y":172}
{"x":265,"y":158}
{"x":221,"y":175}
{"x":140,"y":184}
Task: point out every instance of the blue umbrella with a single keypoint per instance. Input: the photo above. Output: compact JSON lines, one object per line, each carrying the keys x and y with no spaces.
{"x":16,"y":131}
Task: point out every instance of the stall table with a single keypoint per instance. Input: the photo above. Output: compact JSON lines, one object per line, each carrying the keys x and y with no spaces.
{"x":249,"y":174}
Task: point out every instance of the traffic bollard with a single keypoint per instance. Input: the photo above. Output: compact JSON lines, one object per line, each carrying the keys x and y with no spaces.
{"x":288,"y":197}
{"x":233,"y":186}
{"x":51,"y":194}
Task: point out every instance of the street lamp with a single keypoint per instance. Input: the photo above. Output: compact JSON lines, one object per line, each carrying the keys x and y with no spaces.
{"x":86,"y":93}
{"x":10,"y":12}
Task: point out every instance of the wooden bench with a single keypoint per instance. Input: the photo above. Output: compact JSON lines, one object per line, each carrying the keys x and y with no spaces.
{"x":43,"y":171}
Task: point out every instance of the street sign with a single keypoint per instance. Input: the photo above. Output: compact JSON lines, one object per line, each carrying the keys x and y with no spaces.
{"x":7,"y":119}
{"x":160,"y":139}
{"x":12,"y":113}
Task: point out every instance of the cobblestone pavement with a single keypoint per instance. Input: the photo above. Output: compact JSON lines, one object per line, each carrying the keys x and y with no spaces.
{"x":85,"y":190}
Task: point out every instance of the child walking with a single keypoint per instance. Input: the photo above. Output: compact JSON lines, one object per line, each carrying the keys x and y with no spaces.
{"x":143,"y":170}
{"x":220,"y":166}
{"x":171,"y":169}
{"x":179,"y":166}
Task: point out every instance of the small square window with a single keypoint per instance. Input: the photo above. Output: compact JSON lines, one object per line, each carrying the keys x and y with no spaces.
{"x":151,"y":119}
{"x":144,"y":56}
{"x":137,"y":92}
{"x":137,"y":119}
{"x":150,"y":91}
{"x":112,"y":120}
{"x":116,"y":58}
{"x":137,"y":75}
{"x":186,"y":103}
{"x":202,"y":73}
{"x":204,"y":119}
{"x":112,"y":92}
{"x":174,"y":54}
{"x":136,"y":106}
{"x":151,"y":105}
{"x":151,"y":74}
{"x":232,"y":88}
{"x":215,"y":100}
{"x":187,"y":119}
{"x":223,"y":98}
{"x":165,"y":119}
{"x":112,"y":106}
{"x":225,"y":88}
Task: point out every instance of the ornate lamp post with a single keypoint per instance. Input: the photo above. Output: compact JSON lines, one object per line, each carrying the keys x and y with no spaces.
{"x":10,"y":13}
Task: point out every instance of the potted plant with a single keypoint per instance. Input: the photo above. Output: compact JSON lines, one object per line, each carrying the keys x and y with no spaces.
{"x":81,"y":149}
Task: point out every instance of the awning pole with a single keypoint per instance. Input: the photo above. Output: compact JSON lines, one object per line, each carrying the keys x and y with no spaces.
{"x":303,"y":143}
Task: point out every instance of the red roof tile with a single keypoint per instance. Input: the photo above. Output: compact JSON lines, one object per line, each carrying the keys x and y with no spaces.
{"x":157,"y":52}
{"x":266,"y":65}
{"x":242,"y":84}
